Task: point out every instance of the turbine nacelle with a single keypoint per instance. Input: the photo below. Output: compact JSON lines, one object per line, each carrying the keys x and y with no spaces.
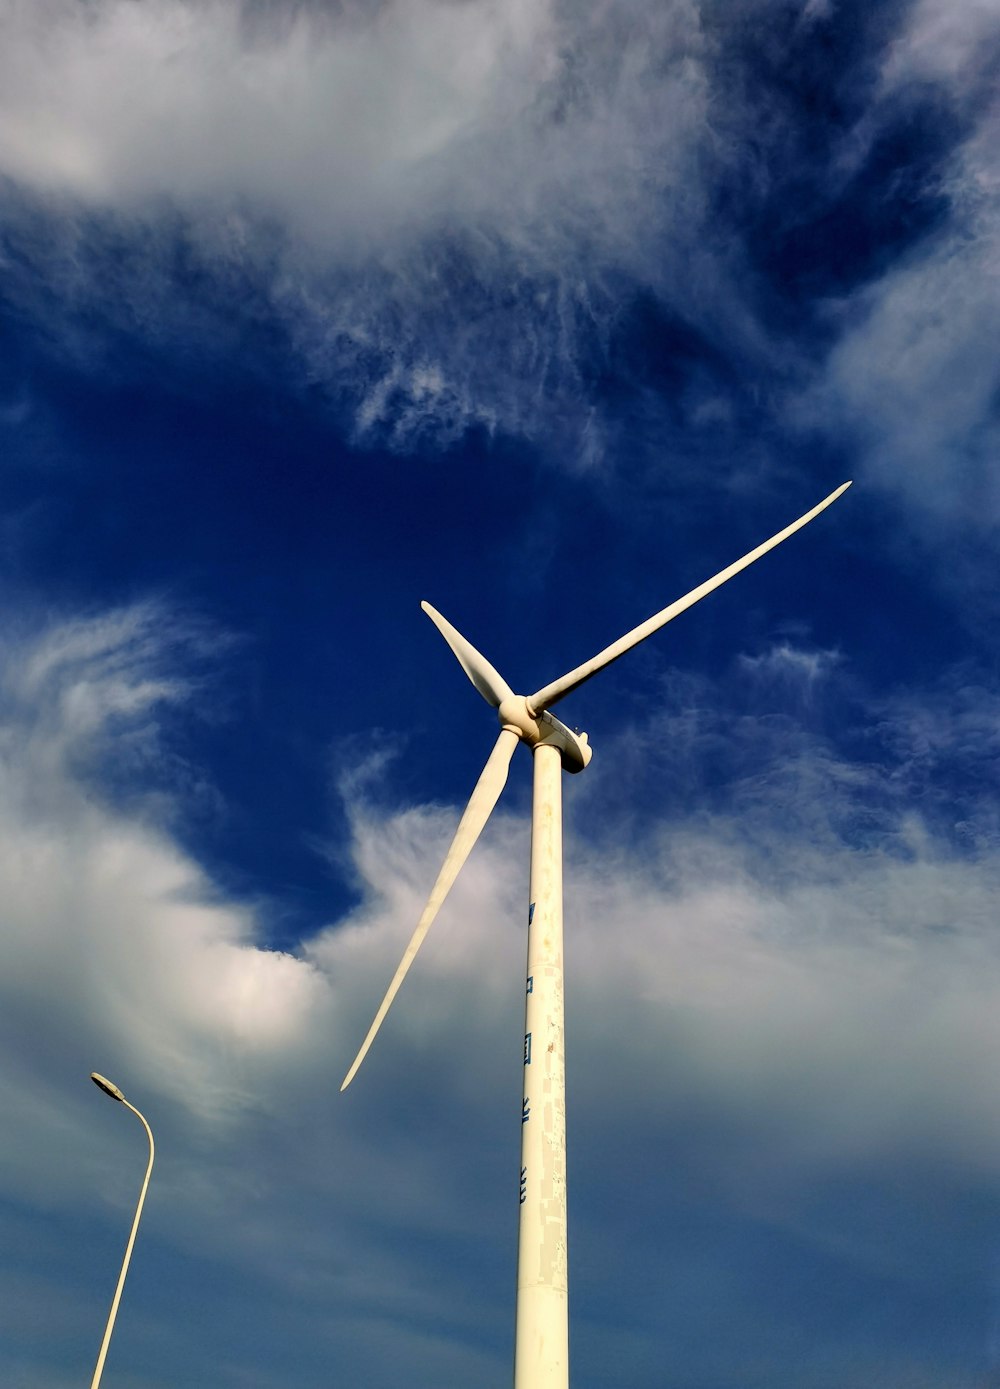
{"x":515,"y":713}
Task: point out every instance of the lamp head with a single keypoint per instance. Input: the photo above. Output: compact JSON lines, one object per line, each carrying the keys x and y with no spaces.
{"x":104,"y":1084}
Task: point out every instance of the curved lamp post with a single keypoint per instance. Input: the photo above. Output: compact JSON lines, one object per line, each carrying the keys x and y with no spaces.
{"x":103,"y":1084}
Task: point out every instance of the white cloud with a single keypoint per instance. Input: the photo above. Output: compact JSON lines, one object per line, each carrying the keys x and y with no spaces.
{"x":439,"y":202}
{"x":359,"y":127}
{"x":854,"y":1013}
{"x":831,"y":1004}
{"x":819,"y":947}
{"x":725,"y":924}
{"x":916,"y":378}
{"x":913,"y":376}
{"x":790,"y":666}
{"x":319,"y":116}
{"x":950,"y":43}
{"x":107,"y":925}
{"x":446,"y":207}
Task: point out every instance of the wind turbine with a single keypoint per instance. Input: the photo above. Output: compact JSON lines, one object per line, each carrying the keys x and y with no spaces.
{"x":541,"y":1342}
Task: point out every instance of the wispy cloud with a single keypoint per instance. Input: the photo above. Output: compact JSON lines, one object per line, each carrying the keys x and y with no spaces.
{"x":109,"y":928}
{"x":913,"y":374}
{"x":450,"y":211}
{"x":802,"y":963}
{"x":444,"y":206}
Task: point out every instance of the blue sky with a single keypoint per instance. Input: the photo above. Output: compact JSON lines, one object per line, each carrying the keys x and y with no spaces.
{"x":543,"y":312}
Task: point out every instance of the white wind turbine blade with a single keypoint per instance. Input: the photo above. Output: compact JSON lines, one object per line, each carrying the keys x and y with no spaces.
{"x":545,"y":698}
{"x":477,"y":812}
{"x":488,"y":681}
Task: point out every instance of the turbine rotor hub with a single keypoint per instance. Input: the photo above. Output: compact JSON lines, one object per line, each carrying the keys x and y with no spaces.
{"x":516,"y":714}
{"x":513,"y":713}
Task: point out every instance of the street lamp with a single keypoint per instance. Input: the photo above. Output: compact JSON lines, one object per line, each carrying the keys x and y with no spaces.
{"x":103,"y":1084}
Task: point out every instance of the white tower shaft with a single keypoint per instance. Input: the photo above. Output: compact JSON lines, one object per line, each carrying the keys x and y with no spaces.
{"x":541,"y":1349}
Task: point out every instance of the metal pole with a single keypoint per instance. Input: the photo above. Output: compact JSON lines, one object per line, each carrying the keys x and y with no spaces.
{"x":116,"y":1094}
{"x":541,"y":1337}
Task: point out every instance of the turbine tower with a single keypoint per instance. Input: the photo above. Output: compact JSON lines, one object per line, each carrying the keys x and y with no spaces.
{"x":541,"y":1339}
